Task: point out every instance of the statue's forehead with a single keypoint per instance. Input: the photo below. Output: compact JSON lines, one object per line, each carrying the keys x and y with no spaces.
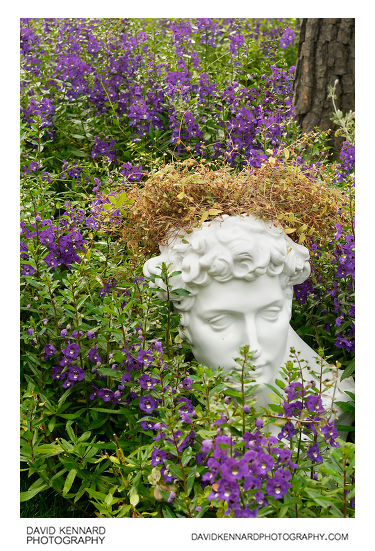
{"x":240,"y":295}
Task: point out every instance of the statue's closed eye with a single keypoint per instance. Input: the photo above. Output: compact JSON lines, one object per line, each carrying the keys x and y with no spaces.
{"x":270,"y":314}
{"x":220,"y":322}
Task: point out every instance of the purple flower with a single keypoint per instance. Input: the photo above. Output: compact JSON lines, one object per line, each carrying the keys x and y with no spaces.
{"x":259,"y":423}
{"x":277,"y":487}
{"x":131,"y":173}
{"x":187,"y":383}
{"x":185,"y":417}
{"x":260,"y":499}
{"x":51,"y":260}
{"x":171,"y":497}
{"x":47,"y":237}
{"x":206,"y":446}
{"x":157,"y":345}
{"x":293,"y":390}
{"x":105,"y":394}
{"x":228,"y":490}
{"x":27,"y":269}
{"x":330,"y":433}
{"x":288,"y":409}
{"x":200,"y":458}
{"x":166,"y":474}
{"x":314,"y":403}
{"x":90,"y":334}
{"x":30,"y":331}
{"x":263,"y":463}
{"x":287,"y":38}
{"x":147,"y":403}
{"x":76,"y":373}
{"x":233,"y":469}
{"x":188,"y":441}
{"x":57,"y":373}
{"x":93,"y":354}
{"x":187,"y":406}
{"x":71,"y":351}
{"x":339,"y":320}
{"x":287,"y":431}
{"x":49,"y":350}
{"x":158,"y":456}
{"x":64,"y":361}
{"x":314,"y":453}
{"x":147,"y":425}
{"x":126,"y":377}
{"x":146,"y":382}
{"x":103,"y":149}
{"x":68,"y":384}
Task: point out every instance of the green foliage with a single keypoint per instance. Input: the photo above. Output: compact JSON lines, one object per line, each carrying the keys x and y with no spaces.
{"x":86,"y":451}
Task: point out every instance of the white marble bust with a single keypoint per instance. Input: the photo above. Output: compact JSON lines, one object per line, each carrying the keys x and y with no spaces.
{"x":240,"y":272}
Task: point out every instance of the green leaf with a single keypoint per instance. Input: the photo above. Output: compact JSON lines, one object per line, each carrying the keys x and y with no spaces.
{"x":69,"y":481}
{"x":275,"y":390}
{"x":48,"y":449}
{"x":190,"y":482}
{"x":175,"y":470}
{"x":104,"y":410}
{"x":84,"y":436}
{"x":180,"y":292}
{"x":25,"y":496}
{"x":345,"y":428}
{"x":177,"y":272}
{"x":52,"y":423}
{"x":134,"y":500}
{"x":168,"y":513}
{"x":82,"y":301}
{"x":110,"y":373}
{"x":70,"y":415}
{"x":64,"y":396}
{"x":81,"y":491}
{"x":234,"y":393}
{"x":110,"y":500}
{"x":70,"y":431}
{"x":348,"y":371}
{"x":346,"y":406}
{"x":276,"y":408}
{"x":283,"y":511}
{"x":350,"y":394}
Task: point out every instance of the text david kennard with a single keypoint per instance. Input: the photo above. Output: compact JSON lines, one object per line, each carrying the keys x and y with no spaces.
{"x":65,"y":534}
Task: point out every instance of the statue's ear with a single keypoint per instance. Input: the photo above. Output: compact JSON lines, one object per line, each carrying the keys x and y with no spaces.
{"x":290,"y":309}
{"x":289,"y":299}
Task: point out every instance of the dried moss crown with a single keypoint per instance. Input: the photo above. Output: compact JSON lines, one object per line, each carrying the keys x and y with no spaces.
{"x":182,"y":196}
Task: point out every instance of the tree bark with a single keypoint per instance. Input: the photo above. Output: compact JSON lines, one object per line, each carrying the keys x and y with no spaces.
{"x":325,"y":54}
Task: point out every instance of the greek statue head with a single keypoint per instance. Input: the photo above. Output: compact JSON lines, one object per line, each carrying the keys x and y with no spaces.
{"x":239,"y":272}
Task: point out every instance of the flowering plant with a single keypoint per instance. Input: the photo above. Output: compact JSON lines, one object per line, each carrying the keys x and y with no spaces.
{"x":117,"y":418}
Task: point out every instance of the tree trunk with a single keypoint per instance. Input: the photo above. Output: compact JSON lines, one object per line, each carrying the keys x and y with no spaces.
{"x":325,"y":54}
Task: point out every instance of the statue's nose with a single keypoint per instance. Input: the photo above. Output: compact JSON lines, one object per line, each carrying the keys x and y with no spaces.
{"x":251,"y":335}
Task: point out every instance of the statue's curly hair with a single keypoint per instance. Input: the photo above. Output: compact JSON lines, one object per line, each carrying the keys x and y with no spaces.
{"x":227,"y":247}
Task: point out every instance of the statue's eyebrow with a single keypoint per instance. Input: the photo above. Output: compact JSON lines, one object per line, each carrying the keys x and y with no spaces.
{"x":278,"y":302}
{"x":216,"y":312}
{"x":212,"y":313}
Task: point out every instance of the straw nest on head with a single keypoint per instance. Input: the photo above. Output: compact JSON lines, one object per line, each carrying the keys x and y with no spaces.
{"x":181,"y":196}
